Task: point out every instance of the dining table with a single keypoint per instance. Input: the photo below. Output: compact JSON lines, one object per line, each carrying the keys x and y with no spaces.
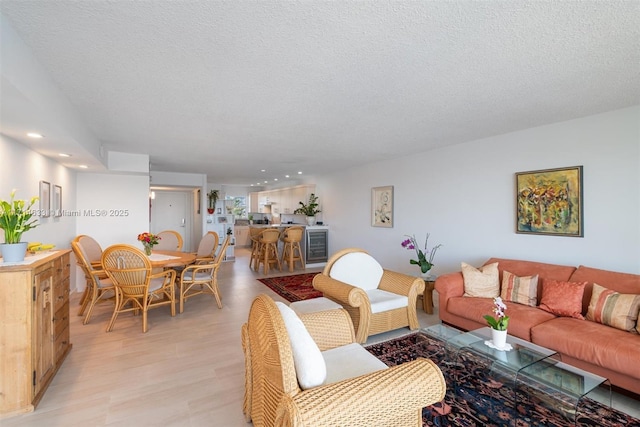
{"x":171,"y":259}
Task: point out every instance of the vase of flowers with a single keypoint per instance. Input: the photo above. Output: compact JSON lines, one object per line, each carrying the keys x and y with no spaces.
{"x":148,"y":241}
{"x":15,"y":219}
{"x":425,"y":257}
{"x":498,"y":324}
{"x":212,"y":197}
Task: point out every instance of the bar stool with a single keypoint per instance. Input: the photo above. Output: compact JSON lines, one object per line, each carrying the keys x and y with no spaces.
{"x":292,"y":252}
{"x":269,"y":249}
{"x":254,"y":235}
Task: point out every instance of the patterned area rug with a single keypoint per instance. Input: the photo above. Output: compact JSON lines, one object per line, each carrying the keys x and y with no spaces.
{"x":293,"y":288}
{"x":475,"y":398}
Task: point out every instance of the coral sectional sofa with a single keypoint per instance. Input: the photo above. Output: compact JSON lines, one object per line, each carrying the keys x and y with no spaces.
{"x":591,"y":345}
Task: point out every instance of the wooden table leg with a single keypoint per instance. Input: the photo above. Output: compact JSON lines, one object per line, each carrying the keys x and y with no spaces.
{"x":427,"y":296}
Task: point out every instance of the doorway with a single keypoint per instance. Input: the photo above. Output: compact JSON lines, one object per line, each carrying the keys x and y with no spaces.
{"x":172,"y":210}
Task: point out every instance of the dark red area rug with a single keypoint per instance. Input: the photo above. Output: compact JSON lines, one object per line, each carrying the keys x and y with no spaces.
{"x":293,"y":288}
{"x":477,"y":397}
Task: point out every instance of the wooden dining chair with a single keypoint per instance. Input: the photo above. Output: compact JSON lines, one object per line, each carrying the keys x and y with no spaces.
{"x":291,"y":250}
{"x":99,"y":287}
{"x":170,"y":240}
{"x":199,"y":279}
{"x":135,"y":284}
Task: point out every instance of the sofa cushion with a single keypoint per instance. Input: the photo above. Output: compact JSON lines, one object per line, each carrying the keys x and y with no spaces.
{"x":482,"y":282}
{"x":563,"y":298}
{"x":357,"y":269}
{"x":624,"y":283}
{"x":521,"y":317}
{"x":590,"y":341}
{"x":614,"y":309}
{"x":350,"y":361}
{"x":523,"y":290}
{"x":311,"y":369}
{"x":529,"y":268}
{"x":384,"y":301}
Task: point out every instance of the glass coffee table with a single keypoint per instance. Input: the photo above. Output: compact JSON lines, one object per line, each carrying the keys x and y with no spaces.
{"x":528,"y":369}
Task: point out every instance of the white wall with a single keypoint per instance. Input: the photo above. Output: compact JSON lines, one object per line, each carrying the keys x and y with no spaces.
{"x":22,"y":169}
{"x":464,"y":196}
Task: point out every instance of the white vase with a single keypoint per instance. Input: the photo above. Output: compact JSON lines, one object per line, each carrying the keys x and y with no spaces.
{"x":425,"y":276}
{"x":498,"y":338}
{"x":13,"y":252}
{"x":311,"y":220}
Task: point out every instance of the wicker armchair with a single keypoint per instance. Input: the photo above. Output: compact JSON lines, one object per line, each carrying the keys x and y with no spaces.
{"x":169,"y":241}
{"x":355,"y":280}
{"x":207,"y":248}
{"x":201,"y":278}
{"x":273,"y":397}
{"x":99,"y":287}
{"x":137,"y":288}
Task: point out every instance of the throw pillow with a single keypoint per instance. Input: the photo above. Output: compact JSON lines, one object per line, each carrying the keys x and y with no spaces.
{"x":311,"y":368}
{"x":614,"y":309}
{"x":357,"y":269}
{"x":482,"y":282}
{"x":523,"y":290}
{"x":563,"y":298}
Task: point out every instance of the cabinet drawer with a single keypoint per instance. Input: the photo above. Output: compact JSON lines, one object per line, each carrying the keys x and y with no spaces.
{"x":61,"y":320}
{"x":60,"y":293}
{"x":62,"y":268}
{"x":62,"y":343}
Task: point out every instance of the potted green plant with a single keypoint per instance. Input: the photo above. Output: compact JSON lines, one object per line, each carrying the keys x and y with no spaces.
{"x":250,"y":219}
{"x":212,"y":197}
{"x":310,"y":209}
{"x":15,"y":219}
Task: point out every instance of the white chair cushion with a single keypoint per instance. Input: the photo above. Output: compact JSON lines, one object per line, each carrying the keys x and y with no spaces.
{"x":155,"y":284}
{"x":384,"y":301}
{"x":350,"y":361}
{"x":314,"y":305}
{"x":357,"y":269}
{"x":311,"y":369}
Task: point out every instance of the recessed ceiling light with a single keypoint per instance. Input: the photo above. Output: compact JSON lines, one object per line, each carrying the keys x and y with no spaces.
{"x":275,"y":179}
{"x":263,"y":170}
{"x":266,"y":181}
{"x":286,"y":176}
{"x":84,"y":166}
{"x":299,"y":172}
{"x":64,"y":155}
{"x":35,"y":135}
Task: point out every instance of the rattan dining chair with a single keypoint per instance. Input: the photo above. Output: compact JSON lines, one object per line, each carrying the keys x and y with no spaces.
{"x":99,"y":287}
{"x":135,"y":284}
{"x":170,"y":240}
{"x":273,"y":396}
{"x":207,"y":248}
{"x":254,"y":235}
{"x":197,"y":279}
{"x":377,"y":300}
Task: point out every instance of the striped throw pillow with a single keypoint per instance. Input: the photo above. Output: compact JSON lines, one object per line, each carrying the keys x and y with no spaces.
{"x":614,"y":309}
{"x":523,"y":290}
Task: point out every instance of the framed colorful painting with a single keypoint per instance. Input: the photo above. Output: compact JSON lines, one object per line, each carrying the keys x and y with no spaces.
{"x":382,"y":206}
{"x":550,"y":202}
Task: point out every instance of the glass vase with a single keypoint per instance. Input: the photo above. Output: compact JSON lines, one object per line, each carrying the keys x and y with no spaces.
{"x":147,"y":249}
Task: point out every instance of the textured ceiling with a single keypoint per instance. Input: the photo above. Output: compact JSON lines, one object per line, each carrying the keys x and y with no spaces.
{"x":229,"y":88}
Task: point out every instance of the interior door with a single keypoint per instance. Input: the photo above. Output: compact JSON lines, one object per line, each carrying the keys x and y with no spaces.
{"x":171,"y":210}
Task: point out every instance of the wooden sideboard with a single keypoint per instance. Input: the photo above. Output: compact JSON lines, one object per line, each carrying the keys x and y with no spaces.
{"x":34,"y":328}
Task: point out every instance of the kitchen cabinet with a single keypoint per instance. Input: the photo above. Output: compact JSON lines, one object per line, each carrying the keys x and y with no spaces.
{"x":34,"y":328}
{"x":242,"y":235}
{"x":281,"y":201}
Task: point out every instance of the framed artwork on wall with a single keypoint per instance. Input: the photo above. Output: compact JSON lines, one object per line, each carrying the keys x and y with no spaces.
{"x":550,"y":202}
{"x":382,"y":206}
{"x":45,"y":198}
{"x":56,"y":202}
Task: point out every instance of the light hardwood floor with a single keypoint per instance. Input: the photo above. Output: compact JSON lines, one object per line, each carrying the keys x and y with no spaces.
{"x":185,"y":371}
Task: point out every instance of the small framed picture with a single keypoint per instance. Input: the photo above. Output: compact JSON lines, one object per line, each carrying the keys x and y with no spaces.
{"x":222,"y":219}
{"x":382,"y":206}
{"x":45,"y":198}
{"x":57,"y":200}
